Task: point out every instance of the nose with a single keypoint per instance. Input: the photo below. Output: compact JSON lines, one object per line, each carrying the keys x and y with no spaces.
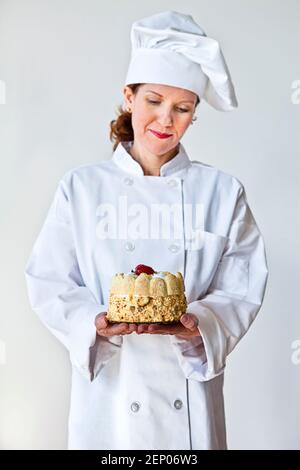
{"x":165,"y":118}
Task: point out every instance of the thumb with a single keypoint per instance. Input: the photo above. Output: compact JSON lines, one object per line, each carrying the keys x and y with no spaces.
{"x":189,"y":321}
{"x":100,"y":321}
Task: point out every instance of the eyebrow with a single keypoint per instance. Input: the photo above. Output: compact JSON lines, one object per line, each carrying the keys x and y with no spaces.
{"x":185,"y":101}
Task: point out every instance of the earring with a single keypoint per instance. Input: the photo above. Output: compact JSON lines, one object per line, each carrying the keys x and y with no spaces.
{"x":128,"y":110}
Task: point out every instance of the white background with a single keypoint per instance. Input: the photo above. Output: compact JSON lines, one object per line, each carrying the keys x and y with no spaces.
{"x":62,"y":66}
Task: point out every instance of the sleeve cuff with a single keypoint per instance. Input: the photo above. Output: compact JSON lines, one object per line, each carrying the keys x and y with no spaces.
{"x":88,"y":351}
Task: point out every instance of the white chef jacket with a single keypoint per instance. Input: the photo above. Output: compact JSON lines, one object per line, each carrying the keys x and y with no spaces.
{"x":147,"y":391}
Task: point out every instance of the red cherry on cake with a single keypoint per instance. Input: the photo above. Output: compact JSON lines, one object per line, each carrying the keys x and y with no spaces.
{"x":142,"y":268}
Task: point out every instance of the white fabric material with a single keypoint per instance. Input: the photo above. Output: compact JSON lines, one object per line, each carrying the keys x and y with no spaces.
{"x":170,"y":48}
{"x":68,"y":275}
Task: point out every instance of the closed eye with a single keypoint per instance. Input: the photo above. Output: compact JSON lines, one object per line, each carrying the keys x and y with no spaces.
{"x":158,"y":102}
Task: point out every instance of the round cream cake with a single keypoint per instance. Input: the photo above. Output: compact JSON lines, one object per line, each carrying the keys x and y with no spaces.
{"x":146,"y":298}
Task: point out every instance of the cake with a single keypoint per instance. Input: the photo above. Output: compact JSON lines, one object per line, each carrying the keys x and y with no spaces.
{"x":146,"y":296}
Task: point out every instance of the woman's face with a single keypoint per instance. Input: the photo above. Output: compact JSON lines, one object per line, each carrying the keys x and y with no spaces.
{"x":161,"y":108}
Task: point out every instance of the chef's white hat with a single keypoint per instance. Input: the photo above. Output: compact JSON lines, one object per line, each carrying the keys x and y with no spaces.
{"x":170,"y":48}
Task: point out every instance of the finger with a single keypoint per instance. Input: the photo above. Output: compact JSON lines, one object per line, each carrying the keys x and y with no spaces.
{"x":114,"y":329}
{"x":132,"y":328}
{"x":160,"y":329}
{"x":154,"y":328}
{"x":142,"y":328}
{"x":119,"y":328}
{"x":189,"y":321}
{"x":129,"y":330}
{"x":101,"y":321}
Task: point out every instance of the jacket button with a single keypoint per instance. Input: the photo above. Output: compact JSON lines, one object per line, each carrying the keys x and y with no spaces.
{"x":129,"y":246}
{"x":178,"y":404}
{"x":135,"y":406}
{"x":172,"y":183}
{"x":174,"y":248}
{"x":128,"y":181}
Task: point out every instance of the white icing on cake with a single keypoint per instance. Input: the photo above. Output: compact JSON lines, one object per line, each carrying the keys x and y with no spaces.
{"x":160,"y":275}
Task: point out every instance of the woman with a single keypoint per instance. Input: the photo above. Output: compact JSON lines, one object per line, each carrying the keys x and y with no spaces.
{"x":152,"y":386}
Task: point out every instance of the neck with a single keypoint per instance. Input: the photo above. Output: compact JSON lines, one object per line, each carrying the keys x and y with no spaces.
{"x":149,"y":162}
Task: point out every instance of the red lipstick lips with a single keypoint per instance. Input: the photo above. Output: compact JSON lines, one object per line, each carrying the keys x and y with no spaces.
{"x":159,"y":135}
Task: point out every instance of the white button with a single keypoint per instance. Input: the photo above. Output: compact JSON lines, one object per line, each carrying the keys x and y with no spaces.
{"x":172,"y":183}
{"x":174,"y":248}
{"x":129,"y":246}
{"x":178,"y":404}
{"x":128,"y":181}
{"x":135,"y":406}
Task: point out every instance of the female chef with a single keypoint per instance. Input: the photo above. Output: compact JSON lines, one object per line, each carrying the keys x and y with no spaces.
{"x":150,"y":386}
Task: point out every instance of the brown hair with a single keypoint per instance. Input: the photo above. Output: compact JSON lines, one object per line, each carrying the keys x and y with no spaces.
{"x":121,"y":128}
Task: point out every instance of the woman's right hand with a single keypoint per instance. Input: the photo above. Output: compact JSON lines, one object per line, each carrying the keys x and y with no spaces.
{"x":104,"y":328}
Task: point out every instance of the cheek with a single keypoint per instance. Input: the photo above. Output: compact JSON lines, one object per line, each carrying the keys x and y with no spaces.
{"x":184,"y":124}
{"x":142,"y":119}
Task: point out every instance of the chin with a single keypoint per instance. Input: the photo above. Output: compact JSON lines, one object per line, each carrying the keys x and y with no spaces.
{"x":160,"y":146}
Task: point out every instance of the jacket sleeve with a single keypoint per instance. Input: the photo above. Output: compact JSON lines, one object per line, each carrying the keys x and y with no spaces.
{"x":58,"y":295}
{"x":232,"y":301}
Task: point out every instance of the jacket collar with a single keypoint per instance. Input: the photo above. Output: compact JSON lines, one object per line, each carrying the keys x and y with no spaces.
{"x":124,"y":160}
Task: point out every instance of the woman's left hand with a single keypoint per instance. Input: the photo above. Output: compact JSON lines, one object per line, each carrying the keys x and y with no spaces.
{"x":186,"y":328}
